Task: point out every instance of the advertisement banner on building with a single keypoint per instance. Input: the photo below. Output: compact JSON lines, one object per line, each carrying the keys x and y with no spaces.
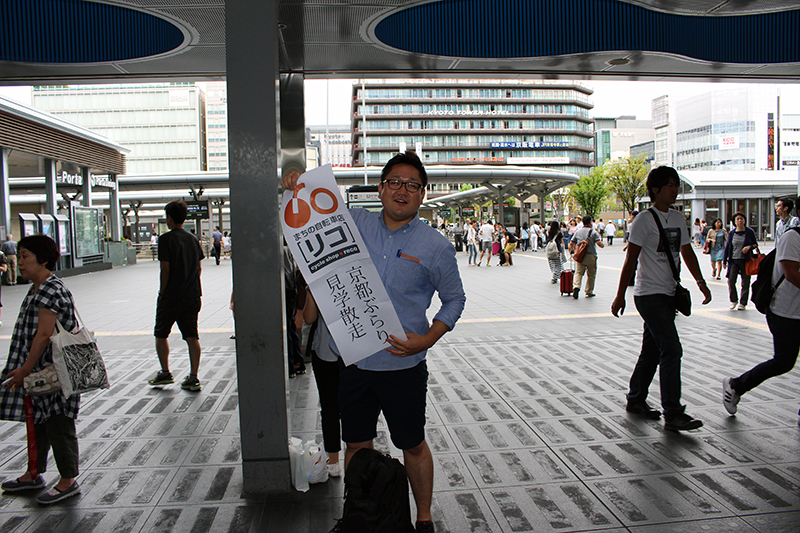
{"x":332,"y":256}
{"x":728,"y":142}
{"x":529,"y":144}
{"x":538,"y":160}
{"x":770,"y":143}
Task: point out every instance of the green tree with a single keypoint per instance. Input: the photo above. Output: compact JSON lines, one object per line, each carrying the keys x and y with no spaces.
{"x":591,"y":191}
{"x":626,"y":179}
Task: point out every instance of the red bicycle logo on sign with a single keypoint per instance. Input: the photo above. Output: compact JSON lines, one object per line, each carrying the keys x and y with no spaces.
{"x":297,"y":212}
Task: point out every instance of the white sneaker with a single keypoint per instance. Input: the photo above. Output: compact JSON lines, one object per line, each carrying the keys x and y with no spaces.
{"x":334,"y":469}
{"x":729,"y":397}
{"x":741,"y":307}
{"x":733,"y":305}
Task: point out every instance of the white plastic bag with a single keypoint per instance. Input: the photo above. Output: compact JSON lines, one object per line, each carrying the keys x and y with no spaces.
{"x":298,"y":464}
{"x":77,"y":360}
{"x":316,"y":463}
{"x":309,"y":463}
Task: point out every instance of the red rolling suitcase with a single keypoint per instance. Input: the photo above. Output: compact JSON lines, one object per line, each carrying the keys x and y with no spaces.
{"x":567,"y":276}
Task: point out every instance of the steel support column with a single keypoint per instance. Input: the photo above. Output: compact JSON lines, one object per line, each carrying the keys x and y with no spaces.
{"x":115,"y":211}
{"x":86,"y":187}
{"x":252,"y":38}
{"x":50,"y":186}
{"x":5,"y":204}
{"x":293,"y":123}
{"x":541,"y":195}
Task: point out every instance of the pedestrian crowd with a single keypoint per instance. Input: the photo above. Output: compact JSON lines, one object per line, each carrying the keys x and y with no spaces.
{"x":394,"y":381}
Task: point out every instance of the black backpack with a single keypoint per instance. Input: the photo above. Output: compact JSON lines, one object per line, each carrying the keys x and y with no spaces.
{"x":762,"y":291}
{"x":376,"y":495}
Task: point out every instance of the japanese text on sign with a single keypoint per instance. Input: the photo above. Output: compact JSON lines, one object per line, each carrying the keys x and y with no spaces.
{"x":331,"y":255}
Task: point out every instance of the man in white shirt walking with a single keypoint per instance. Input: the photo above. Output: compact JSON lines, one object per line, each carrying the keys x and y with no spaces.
{"x":783,"y":319}
{"x":486,"y":233}
{"x":654,"y":296}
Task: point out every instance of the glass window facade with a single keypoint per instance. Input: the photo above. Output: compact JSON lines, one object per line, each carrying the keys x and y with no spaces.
{"x":162,"y":124}
{"x":524,"y":123}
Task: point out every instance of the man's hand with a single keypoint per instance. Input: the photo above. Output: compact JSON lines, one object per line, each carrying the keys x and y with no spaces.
{"x":706,"y":292}
{"x":289,"y":181}
{"x":414,"y":344}
{"x":618,"y":306}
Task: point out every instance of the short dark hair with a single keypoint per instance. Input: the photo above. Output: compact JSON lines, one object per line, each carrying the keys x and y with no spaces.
{"x":177,"y":210}
{"x":43,"y":247}
{"x":739,"y":214}
{"x":587,"y":221}
{"x":787,"y":202}
{"x":408,"y":158}
{"x":658,"y":177}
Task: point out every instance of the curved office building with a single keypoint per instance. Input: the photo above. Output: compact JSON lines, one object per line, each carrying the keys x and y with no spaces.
{"x":543,"y":123}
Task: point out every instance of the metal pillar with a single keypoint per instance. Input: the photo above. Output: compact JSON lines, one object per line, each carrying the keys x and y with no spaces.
{"x":541,"y":195}
{"x":254,"y":143}
{"x":292,"y":123}
{"x":50,"y":186}
{"x":115,"y":212}
{"x":86,"y":188}
{"x":5,"y":204}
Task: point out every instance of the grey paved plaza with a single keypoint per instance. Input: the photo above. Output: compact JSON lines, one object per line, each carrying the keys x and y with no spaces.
{"x":526,"y":420}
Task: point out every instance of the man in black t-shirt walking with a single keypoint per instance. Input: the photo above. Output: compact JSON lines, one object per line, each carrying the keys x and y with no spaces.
{"x":180,"y":255}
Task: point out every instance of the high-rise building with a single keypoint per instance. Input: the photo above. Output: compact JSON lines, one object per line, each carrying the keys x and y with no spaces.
{"x":752,"y":127}
{"x":543,"y":123}
{"x":217,"y":125}
{"x":163,"y":124}
{"x":615,"y":136}
{"x":659,"y":108}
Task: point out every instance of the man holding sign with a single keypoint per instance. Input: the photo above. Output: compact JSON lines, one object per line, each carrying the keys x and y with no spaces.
{"x":413,"y":261}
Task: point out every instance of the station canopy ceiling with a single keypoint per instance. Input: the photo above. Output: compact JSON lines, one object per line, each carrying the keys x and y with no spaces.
{"x":50,"y":42}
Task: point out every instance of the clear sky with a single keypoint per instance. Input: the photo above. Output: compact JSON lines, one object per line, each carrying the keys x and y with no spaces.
{"x":610,"y":98}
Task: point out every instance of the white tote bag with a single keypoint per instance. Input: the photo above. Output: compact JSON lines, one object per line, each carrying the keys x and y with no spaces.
{"x":78,"y":362}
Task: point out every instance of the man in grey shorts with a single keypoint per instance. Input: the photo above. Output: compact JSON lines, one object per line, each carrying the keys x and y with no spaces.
{"x":486,"y":233}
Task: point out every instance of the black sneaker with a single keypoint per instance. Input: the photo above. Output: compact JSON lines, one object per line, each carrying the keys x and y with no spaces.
{"x":642,"y":409}
{"x":575,"y":293}
{"x":15,"y":485}
{"x":682,"y":422}
{"x":190,"y":383}
{"x":54,"y":495}
{"x":162,"y":378}
{"x":425,"y":527}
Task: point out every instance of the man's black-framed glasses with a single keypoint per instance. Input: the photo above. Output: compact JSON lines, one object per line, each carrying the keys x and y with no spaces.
{"x":396,"y":185}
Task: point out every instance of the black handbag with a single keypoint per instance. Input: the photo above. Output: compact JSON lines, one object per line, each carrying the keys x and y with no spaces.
{"x":683,"y":298}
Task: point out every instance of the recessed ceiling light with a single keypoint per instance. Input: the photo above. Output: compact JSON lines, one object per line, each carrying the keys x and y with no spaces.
{"x":618,"y":61}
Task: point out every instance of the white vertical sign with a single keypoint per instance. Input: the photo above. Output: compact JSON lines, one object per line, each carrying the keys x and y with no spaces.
{"x":334,"y":261}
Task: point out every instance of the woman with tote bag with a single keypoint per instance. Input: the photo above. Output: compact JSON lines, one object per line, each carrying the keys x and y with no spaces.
{"x":51,"y":416}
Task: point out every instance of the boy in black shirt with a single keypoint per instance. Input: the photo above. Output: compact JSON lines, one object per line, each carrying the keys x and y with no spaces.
{"x":179,"y":296}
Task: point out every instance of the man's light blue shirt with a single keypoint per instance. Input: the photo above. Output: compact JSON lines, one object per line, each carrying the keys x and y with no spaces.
{"x":413,"y":262}
{"x":781,"y":226}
